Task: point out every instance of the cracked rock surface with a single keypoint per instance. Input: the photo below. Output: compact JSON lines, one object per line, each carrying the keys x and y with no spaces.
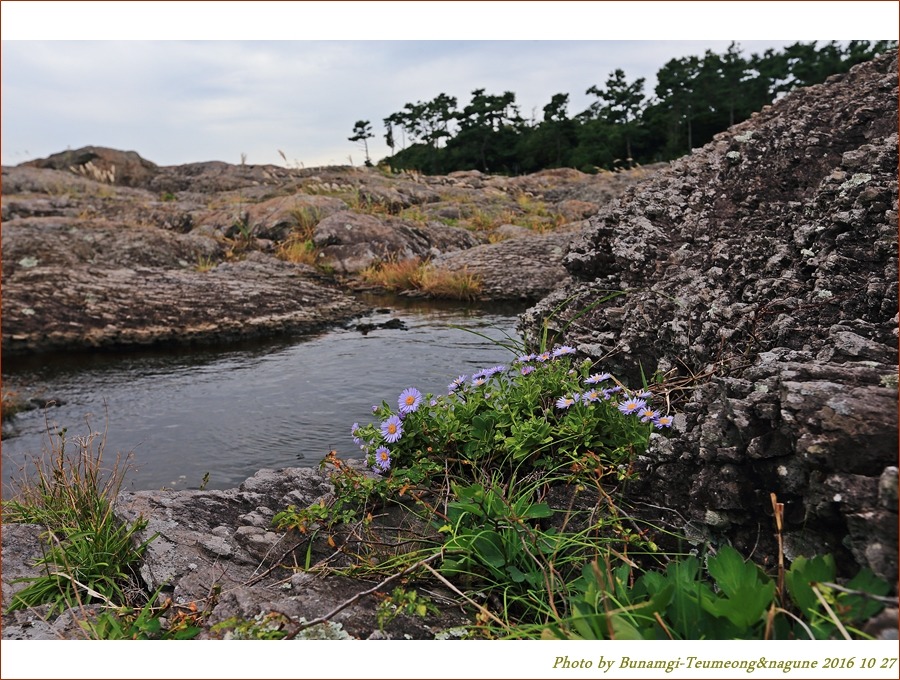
{"x":765,"y":266}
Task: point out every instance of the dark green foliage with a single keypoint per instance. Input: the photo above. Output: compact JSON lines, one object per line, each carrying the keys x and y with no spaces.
{"x":94,"y":564}
{"x":513,"y":479}
{"x":730,"y":599}
{"x":145,"y":623}
{"x":695,"y":98}
{"x":362,"y":132}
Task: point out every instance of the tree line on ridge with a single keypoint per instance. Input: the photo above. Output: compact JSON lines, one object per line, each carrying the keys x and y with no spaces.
{"x":694,"y":98}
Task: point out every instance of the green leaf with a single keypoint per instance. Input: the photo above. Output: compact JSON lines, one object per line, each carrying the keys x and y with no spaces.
{"x":859,"y":607}
{"x":747,"y":597}
{"x":536,"y":511}
{"x":730,"y":571}
{"x":515,"y":574}
{"x":623,"y":630}
{"x":488,"y":546}
{"x":802,"y":573}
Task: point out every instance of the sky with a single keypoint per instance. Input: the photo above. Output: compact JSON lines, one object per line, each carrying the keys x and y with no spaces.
{"x":179,"y":84}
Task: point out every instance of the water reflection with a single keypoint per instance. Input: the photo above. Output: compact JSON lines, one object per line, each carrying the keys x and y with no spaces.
{"x":232,"y":410}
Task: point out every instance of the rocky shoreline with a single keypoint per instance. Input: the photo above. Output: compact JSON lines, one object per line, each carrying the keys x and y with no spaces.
{"x":759,"y":275}
{"x":104,"y":249}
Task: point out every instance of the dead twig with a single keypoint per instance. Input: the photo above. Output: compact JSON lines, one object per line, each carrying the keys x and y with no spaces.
{"x":346,"y":603}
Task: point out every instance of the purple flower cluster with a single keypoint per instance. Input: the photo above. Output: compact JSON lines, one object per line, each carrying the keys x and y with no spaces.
{"x":456,"y":384}
{"x":631,"y":404}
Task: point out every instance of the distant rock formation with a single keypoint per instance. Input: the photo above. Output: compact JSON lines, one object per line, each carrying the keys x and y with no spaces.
{"x":102,"y":248}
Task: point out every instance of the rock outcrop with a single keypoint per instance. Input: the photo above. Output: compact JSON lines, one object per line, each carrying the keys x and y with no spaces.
{"x":760,"y":275}
{"x":68,"y":284}
{"x":519,"y":268}
{"x":99,"y":163}
{"x":349,"y":242}
{"x":217,"y":551}
{"x":103,"y":248}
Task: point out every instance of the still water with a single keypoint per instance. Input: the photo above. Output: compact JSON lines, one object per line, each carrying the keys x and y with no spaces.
{"x":232,"y":410}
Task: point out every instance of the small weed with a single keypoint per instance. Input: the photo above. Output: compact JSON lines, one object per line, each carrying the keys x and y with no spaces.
{"x":452,"y":285}
{"x":393,"y":276}
{"x":89,"y":555}
{"x":414,"y":214}
{"x":10,"y":403}
{"x":306,"y":218}
{"x":150,"y":622}
{"x":403,"y":602}
{"x":205,"y":263}
{"x":482,"y":220}
{"x":299,"y":252}
{"x":367,"y":204}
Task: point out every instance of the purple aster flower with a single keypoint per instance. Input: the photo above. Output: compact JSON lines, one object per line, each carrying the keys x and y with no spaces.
{"x":663,"y":421}
{"x":525,"y":370}
{"x":433,"y":402}
{"x":392,"y":429}
{"x":644,"y":394}
{"x":632,"y":405}
{"x":479,"y":381}
{"x":525,"y":358}
{"x":562,"y":350}
{"x":383,"y":458}
{"x":597,"y":378}
{"x":566,"y":402}
{"x":544,"y":356}
{"x":647,"y":414}
{"x":456,"y":384}
{"x":488,"y":372}
{"x":409,"y":400}
{"x":589,"y":396}
{"x":353,"y":429}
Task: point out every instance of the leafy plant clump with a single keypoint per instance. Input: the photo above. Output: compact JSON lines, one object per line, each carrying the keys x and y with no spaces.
{"x":479,"y":465}
{"x":729,"y":599}
{"x":513,"y":481}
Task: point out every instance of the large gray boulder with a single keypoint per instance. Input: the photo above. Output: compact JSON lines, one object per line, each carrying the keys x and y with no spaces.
{"x":760,"y":274}
{"x":102,"y":164}
{"x":522,"y":268}
{"x":349,"y":242}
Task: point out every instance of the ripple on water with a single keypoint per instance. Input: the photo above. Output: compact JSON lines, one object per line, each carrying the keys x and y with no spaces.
{"x":231,"y":411}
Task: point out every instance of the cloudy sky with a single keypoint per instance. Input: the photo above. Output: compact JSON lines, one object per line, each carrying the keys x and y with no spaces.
{"x":178,"y":85}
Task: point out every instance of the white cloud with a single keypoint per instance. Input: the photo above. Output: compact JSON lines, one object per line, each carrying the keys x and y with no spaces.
{"x":183,"y":101}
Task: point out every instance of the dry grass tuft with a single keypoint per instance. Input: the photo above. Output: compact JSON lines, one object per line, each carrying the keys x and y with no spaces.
{"x":415,"y":275}
{"x":299,"y":251}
